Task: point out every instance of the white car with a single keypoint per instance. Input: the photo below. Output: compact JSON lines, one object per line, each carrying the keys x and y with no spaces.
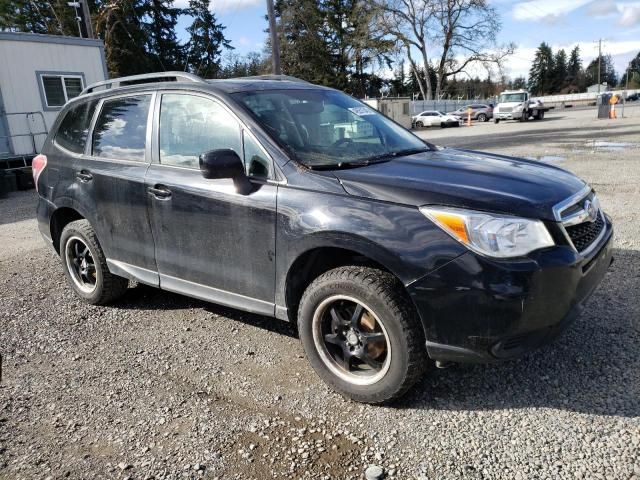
{"x":432,"y":118}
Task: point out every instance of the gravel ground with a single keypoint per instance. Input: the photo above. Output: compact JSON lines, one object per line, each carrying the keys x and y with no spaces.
{"x":162,"y":386}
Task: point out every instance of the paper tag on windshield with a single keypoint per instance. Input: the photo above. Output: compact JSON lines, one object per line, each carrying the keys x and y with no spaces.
{"x":362,"y":111}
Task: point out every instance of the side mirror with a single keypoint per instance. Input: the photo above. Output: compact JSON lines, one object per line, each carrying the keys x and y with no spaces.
{"x":223,"y":163}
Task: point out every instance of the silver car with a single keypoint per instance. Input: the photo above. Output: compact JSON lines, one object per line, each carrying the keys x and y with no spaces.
{"x":479,"y":111}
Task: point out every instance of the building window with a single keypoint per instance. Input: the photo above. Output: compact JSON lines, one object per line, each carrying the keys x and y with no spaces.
{"x":58,"y":89}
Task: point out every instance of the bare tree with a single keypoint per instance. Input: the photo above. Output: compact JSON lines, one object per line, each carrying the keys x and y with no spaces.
{"x":455,"y":33}
{"x":465,"y":34}
{"x":408,"y":22}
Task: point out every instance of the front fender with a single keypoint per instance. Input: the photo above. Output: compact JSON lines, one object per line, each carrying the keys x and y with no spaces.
{"x":398,"y":237}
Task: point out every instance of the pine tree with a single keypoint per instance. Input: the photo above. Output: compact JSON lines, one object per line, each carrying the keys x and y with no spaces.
{"x":541,"y":72}
{"x":159,"y":24}
{"x":38,"y":16}
{"x":303,"y":45}
{"x":607,"y":71}
{"x":560,"y":71}
{"x":119,"y":23}
{"x":575,"y":76}
{"x":206,"y":42}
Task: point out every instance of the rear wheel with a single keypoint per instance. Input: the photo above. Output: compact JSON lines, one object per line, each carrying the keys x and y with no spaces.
{"x":85,"y":265}
{"x":443,"y":125}
{"x":361,"y":334}
{"x":496,"y":120}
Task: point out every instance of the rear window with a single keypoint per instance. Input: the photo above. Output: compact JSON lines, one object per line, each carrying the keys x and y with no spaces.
{"x":72,"y":133}
{"x":121,"y":129}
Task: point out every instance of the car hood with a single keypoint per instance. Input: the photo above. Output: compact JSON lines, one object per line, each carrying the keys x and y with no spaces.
{"x":468,"y":179}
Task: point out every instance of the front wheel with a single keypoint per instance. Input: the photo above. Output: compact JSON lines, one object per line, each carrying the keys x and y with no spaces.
{"x":361,"y":334}
{"x":85,"y":265}
{"x":419,"y":124}
{"x":482,"y":117}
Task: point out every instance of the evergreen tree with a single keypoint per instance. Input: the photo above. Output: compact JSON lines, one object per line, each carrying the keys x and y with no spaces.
{"x":206,"y":42}
{"x":303,"y":45}
{"x":607,"y":71}
{"x":119,"y":24}
{"x":575,"y":76}
{"x":541,"y":72}
{"x":560,"y":71}
{"x":159,"y":24}
{"x":38,"y":16}
{"x":633,"y":70}
{"x":518,"y":83}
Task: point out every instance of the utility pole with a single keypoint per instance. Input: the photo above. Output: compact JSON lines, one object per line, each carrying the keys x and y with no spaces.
{"x":275,"y":44}
{"x":626,"y":88}
{"x":83,"y":18}
{"x":599,"y":63}
{"x":86,"y":16}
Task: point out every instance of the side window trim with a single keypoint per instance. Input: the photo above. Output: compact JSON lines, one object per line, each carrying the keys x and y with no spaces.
{"x":88,"y":148}
{"x":155,"y":156}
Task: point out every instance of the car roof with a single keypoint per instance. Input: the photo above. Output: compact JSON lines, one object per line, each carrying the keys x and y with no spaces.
{"x":222,"y":87}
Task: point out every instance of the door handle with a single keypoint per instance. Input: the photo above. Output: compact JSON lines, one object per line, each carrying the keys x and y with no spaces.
{"x":84,"y":176}
{"x":160,"y":192}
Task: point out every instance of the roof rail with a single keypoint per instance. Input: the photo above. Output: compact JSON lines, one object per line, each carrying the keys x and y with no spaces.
{"x":136,"y":79}
{"x":287,"y":78}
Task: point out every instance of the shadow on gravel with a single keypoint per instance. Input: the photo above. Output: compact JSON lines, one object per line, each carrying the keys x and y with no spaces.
{"x":594,"y":368}
{"x":144,"y":297}
{"x":515,"y":139}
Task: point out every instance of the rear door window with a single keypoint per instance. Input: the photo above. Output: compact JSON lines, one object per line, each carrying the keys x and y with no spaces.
{"x":74,"y":128}
{"x":121,"y":129}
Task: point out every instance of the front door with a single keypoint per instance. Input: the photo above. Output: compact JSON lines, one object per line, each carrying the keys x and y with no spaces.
{"x":212,"y":241}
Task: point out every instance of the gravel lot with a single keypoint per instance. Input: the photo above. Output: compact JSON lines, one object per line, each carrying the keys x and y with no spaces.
{"x":162,"y":386}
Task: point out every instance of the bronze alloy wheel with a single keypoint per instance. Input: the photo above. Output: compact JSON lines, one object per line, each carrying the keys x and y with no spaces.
{"x":351,"y":340}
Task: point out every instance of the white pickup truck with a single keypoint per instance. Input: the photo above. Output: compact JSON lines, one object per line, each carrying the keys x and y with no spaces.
{"x":518,"y":105}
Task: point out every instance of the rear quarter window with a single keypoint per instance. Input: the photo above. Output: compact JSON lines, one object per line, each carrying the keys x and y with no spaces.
{"x":74,"y":128}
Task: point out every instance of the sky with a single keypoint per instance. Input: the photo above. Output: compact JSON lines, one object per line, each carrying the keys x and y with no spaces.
{"x":560,"y":23}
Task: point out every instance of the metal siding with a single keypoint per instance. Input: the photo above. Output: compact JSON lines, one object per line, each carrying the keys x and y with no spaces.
{"x":19,"y":82}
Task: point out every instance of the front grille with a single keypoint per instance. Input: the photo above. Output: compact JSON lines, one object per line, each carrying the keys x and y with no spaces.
{"x":584,"y":234}
{"x":504,"y":110}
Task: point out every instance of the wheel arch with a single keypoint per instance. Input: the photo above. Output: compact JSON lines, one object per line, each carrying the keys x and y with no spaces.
{"x":316,"y":260}
{"x":60,"y":218}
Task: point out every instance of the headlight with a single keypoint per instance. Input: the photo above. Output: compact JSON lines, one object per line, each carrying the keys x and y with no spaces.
{"x":493,"y":235}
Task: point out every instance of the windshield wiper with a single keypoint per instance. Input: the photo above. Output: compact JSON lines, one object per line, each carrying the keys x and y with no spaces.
{"x":398,"y":153}
{"x":340,"y":165}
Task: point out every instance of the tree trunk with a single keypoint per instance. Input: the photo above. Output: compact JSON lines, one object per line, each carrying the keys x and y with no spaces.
{"x":416,"y":74}
{"x":427,"y":77}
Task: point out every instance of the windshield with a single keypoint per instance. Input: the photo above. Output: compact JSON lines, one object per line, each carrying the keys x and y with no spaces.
{"x":325,"y":128}
{"x":512,"y":97}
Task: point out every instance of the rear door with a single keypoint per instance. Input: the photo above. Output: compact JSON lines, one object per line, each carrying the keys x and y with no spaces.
{"x":111,"y":175}
{"x":212,"y":241}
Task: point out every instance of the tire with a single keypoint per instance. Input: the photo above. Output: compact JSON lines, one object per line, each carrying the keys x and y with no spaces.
{"x":496,"y":120}
{"x":385,"y":305}
{"x":443,"y":125}
{"x":525,"y":116}
{"x":540,"y":115}
{"x":482,"y":117}
{"x":97,"y":285}
{"x":419,"y":124}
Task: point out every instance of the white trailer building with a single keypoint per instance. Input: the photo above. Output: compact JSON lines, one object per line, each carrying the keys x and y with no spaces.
{"x":38,"y":75}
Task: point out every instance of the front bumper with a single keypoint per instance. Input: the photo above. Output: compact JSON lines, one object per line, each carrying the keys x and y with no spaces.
{"x":507,"y":115}
{"x":475,"y":309}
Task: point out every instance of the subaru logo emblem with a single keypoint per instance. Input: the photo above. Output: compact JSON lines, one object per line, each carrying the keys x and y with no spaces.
{"x":590,"y":208}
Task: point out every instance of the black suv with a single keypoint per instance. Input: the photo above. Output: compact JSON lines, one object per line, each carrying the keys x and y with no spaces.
{"x":279,"y":197}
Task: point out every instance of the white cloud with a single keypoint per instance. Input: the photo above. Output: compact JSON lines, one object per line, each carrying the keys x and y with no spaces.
{"x":602,"y":8}
{"x":630,"y":15}
{"x":546,"y":10}
{"x":221,"y":6}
